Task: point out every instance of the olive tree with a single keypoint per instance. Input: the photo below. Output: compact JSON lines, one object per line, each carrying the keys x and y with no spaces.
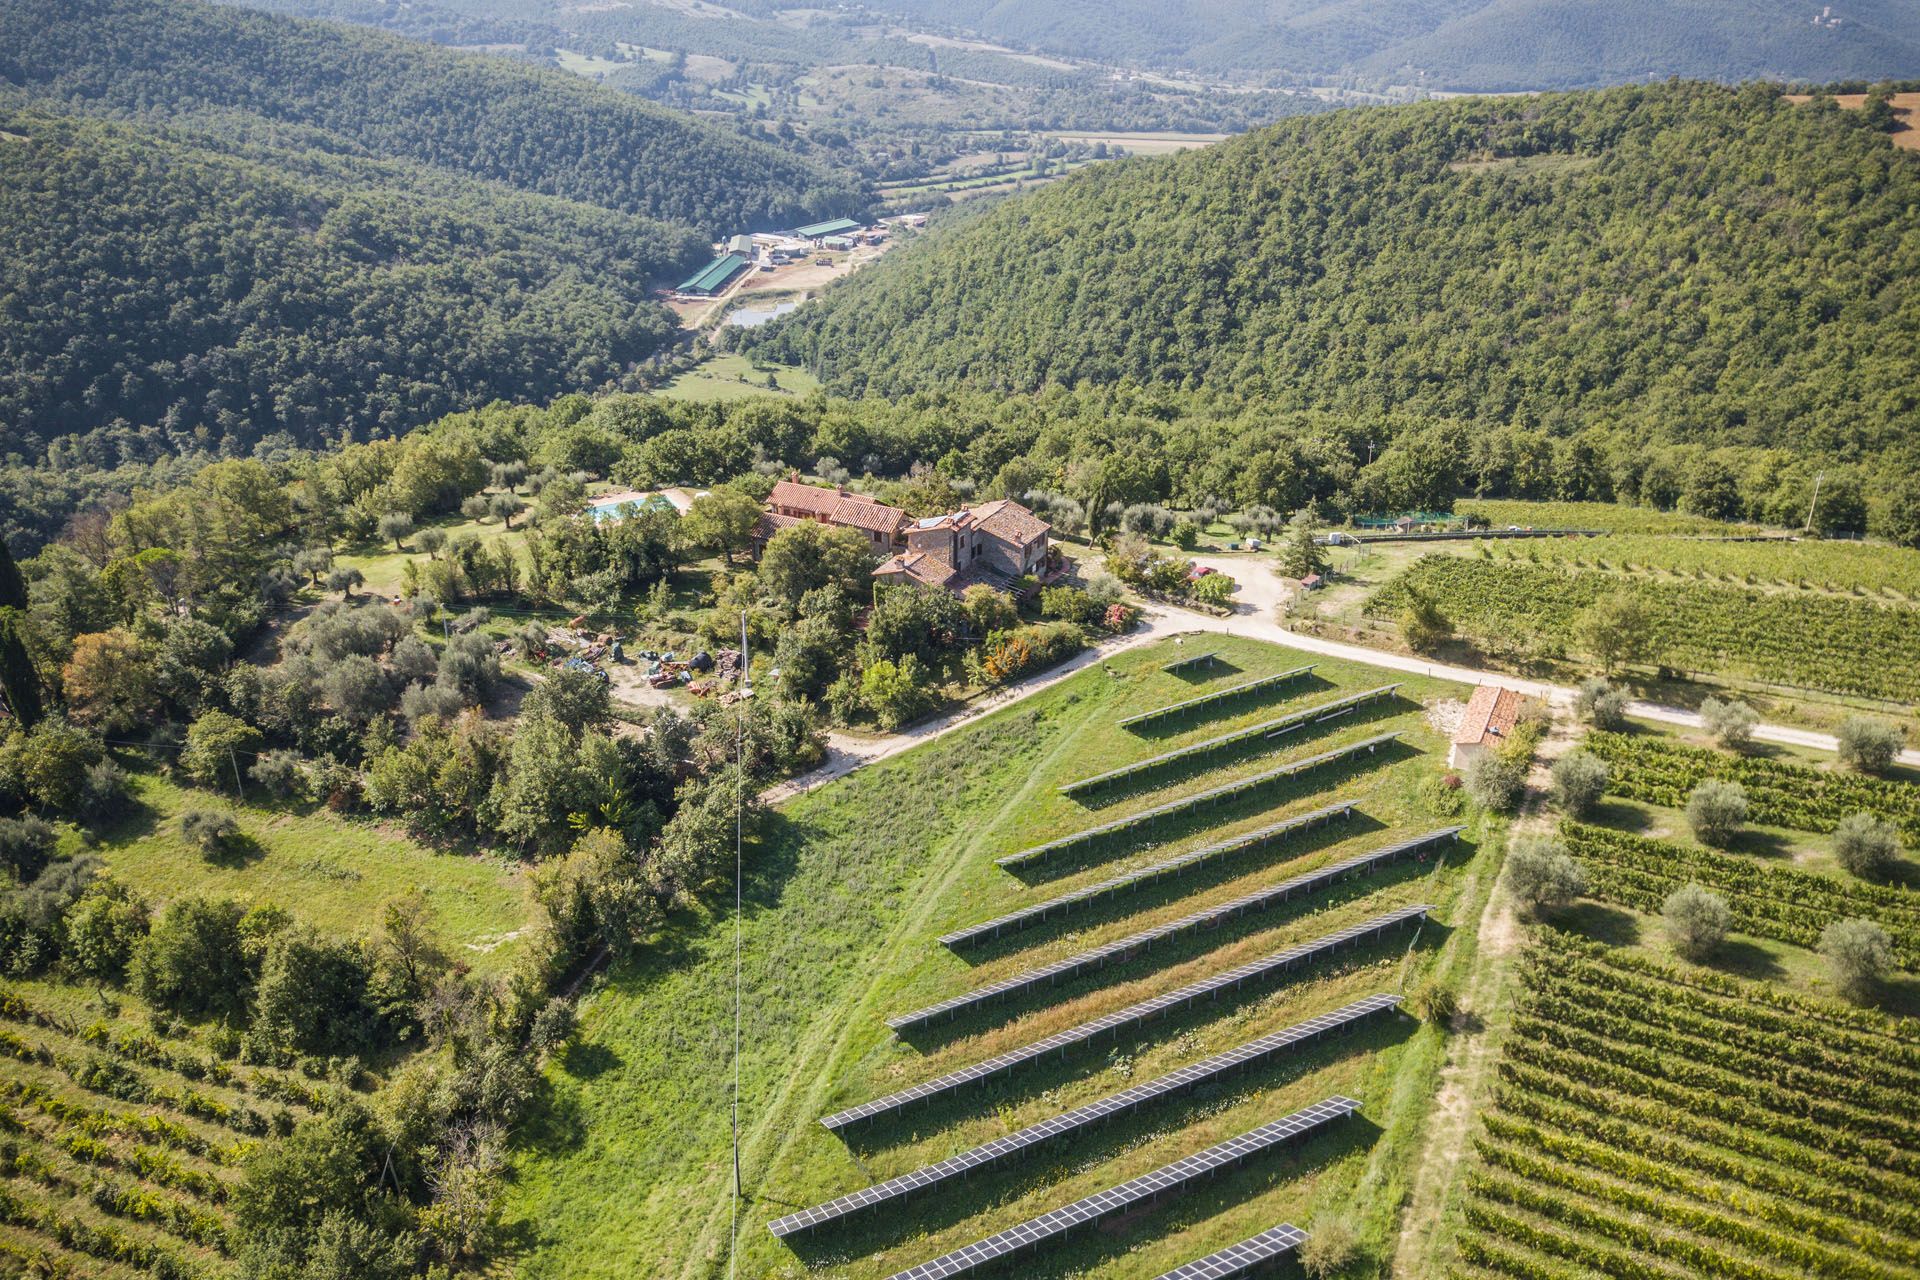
{"x":1579,"y":780}
{"x":1866,"y":845}
{"x":1868,"y":745}
{"x":1730,"y":722}
{"x":1543,"y":875}
{"x":1716,"y":811}
{"x":1696,"y":921}
{"x":1859,"y":953}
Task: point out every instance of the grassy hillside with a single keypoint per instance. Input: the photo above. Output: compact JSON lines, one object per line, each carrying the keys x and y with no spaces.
{"x":844,"y":901}
{"x":386,"y":96}
{"x":1689,"y":261}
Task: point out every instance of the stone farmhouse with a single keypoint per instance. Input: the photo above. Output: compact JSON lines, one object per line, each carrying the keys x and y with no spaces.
{"x":996,"y":542}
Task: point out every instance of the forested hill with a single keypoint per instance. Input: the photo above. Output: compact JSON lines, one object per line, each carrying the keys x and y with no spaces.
{"x":539,"y":130}
{"x":165,"y":293}
{"x":1687,"y":261}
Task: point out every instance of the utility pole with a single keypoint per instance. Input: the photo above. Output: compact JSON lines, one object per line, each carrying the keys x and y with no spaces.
{"x":739,"y":829}
{"x":1816,"y":502}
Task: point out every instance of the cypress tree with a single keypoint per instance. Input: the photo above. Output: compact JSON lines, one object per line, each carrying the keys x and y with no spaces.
{"x":13,"y":588}
{"x":19,"y":685}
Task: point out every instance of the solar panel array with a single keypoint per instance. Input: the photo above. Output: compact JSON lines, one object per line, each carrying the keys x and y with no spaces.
{"x":1265,"y":729}
{"x":1238,"y":1259}
{"x":1258,"y":900}
{"x":1150,"y":1186}
{"x":1070,"y":1122}
{"x":1224,"y":791}
{"x":1266,"y":966}
{"x":1212,"y":699}
{"x":1181,"y":664}
{"x":1134,"y":879}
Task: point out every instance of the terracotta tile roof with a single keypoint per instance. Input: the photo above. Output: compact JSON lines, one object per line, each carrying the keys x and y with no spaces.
{"x":917,"y":566}
{"x":1491,"y":713}
{"x":806,"y":497}
{"x":1008,"y":520}
{"x":772,"y":522}
{"x":864,"y":513}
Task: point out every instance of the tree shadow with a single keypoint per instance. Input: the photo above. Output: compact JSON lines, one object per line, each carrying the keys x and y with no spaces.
{"x":1600,"y":922}
{"x":961,"y":1198}
{"x":1746,"y":959}
{"x":1762,"y":843}
{"x":235,"y":852}
{"x":553,"y":1122}
{"x":1164,"y":891}
{"x":585,"y":1060}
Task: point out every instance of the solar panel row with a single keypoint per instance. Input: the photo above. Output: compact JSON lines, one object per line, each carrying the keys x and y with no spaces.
{"x":1225,"y":791}
{"x":1208,"y":699}
{"x":1238,"y":1259}
{"x":1265,"y":729}
{"x":1198,"y":659}
{"x":1258,"y":900}
{"x":1134,"y":879}
{"x":1104,"y":1204}
{"x":1266,"y":966}
{"x":1188,"y":1077}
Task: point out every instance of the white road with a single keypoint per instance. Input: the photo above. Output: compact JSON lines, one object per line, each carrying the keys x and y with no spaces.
{"x":1261,"y":589}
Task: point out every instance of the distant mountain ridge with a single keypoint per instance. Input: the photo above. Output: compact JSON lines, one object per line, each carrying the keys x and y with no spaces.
{"x":1686,"y":261}
{"x":1461,"y":44}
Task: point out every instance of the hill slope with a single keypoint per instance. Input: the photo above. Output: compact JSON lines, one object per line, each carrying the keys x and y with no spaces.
{"x":1459,"y":44}
{"x":382,"y":95}
{"x":153,"y":280}
{"x":1698,"y":262}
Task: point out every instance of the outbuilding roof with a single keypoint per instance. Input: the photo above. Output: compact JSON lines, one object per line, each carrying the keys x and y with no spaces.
{"x":1491,"y":714}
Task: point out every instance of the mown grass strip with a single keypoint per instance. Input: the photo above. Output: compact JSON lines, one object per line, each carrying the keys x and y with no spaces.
{"x":1200,"y":750}
{"x":1207,"y":701}
{"x":1027,"y":916}
{"x":1173,"y":808}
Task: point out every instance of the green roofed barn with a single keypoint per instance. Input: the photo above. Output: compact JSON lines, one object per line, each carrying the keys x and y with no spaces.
{"x":820,"y":230}
{"x":713,"y":277}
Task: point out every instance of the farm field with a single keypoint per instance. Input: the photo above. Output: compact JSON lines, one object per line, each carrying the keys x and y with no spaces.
{"x":1654,"y":1119}
{"x":121,"y":1144}
{"x":845,"y":902}
{"x":734,"y":377}
{"x":1838,"y":568}
{"x":1816,"y":641}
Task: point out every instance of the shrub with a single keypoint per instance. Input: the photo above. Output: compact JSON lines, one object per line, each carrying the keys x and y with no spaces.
{"x":1716,"y":811}
{"x":215,"y":744}
{"x":1185,"y":535}
{"x":1859,"y":954}
{"x":1868,"y":745}
{"x":1495,"y":781}
{"x":1543,"y":875}
{"x":26,"y":845}
{"x":1600,"y":704}
{"x":208,"y":830}
{"x":1579,"y":780}
{"x":105,"y":793}
{"x":1731,"y":723}
{"x":1436,"y":1002}
{"x":279,"y":773}
{"x":1329,"y":1250}
{"x":1866,"y":845}
{"x":1696,"y":921}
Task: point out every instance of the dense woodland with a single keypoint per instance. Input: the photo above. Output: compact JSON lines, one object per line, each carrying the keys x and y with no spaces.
{"x":1689,"y":264}
{"x":221,"y":226}
{"x":376,"y":94}
{"x":166,"y":292}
